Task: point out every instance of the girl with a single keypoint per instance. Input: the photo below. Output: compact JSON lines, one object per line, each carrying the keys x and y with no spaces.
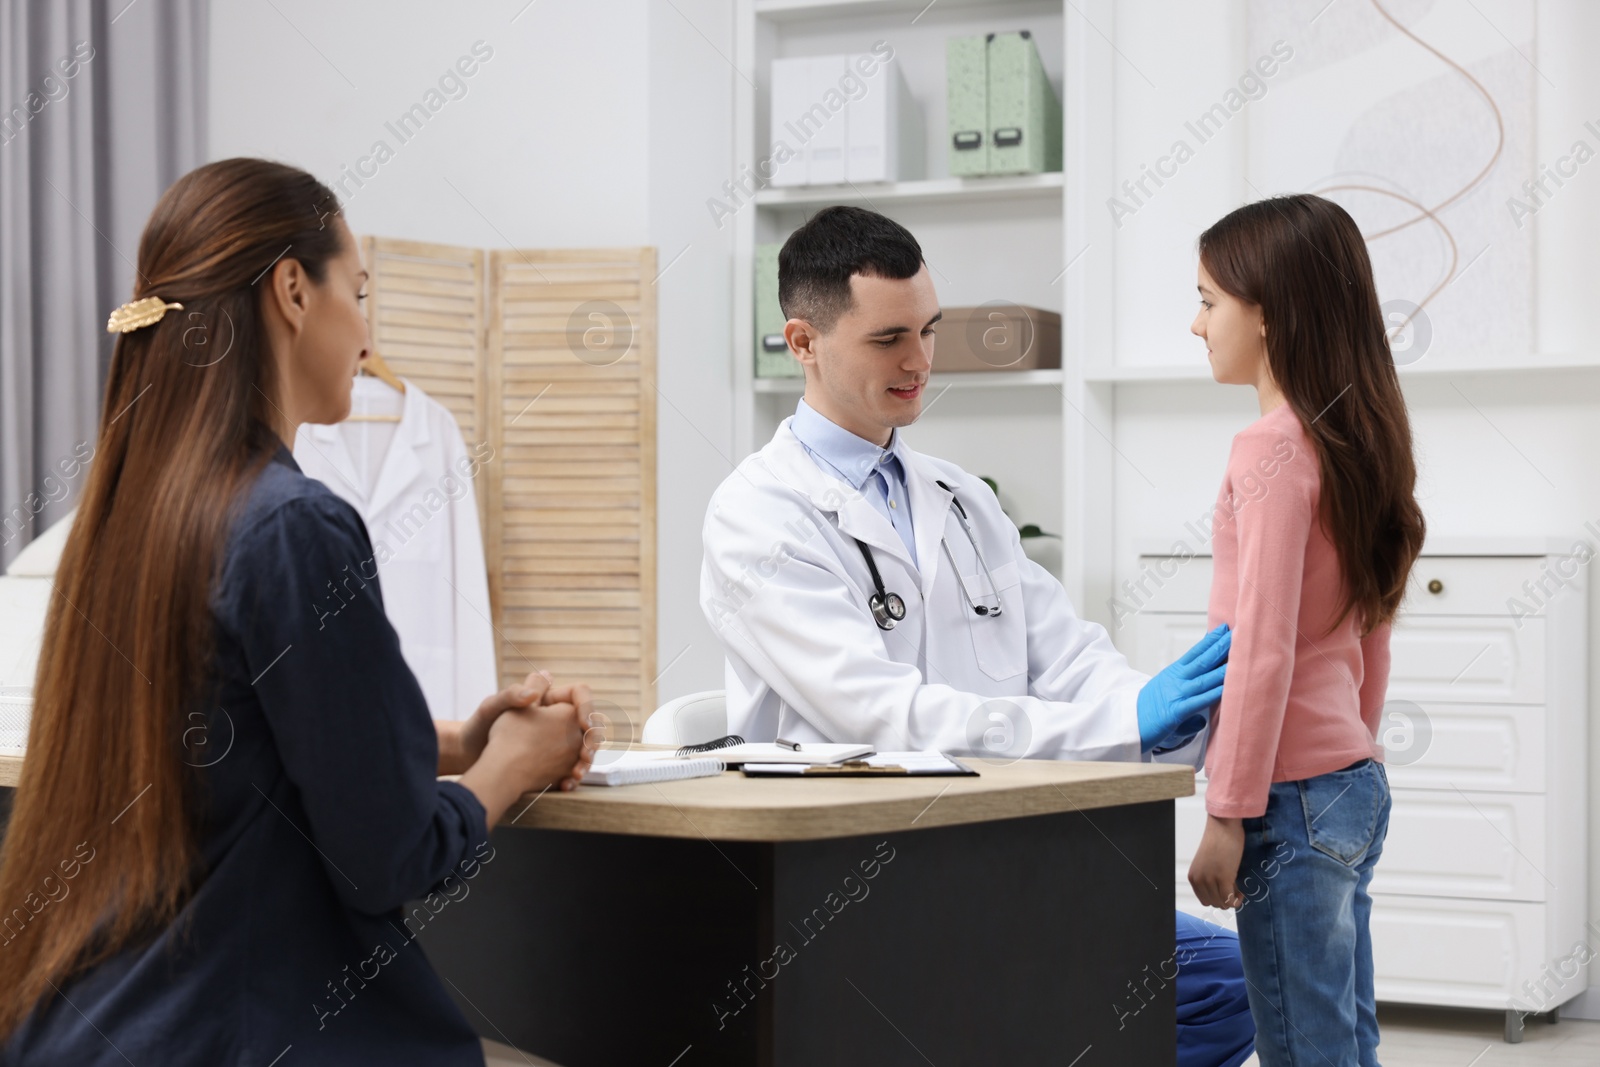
{"x":1316,"y":529}
{"x":230,"y":786}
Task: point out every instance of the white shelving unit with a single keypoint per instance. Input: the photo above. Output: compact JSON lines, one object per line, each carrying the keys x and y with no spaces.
{"x":938,"y":383}
{"x":1159,"y":374}
{"x":953,"y":191}
{"x":1000,"y":238}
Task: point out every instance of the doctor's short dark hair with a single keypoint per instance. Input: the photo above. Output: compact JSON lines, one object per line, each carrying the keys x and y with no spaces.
{"x":817,"y":261}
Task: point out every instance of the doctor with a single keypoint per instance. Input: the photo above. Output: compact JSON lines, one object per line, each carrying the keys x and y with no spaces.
{"x":865,"y":592}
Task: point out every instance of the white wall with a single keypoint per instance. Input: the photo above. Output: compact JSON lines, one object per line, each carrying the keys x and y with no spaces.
{"x":691,"y":156}
{"x":545,"y":148}
{"x":606,"y":122}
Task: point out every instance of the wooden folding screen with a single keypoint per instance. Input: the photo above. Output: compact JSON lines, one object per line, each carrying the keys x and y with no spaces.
{"x":559,"y":380}
{"x":572,"y":373}
{"x":425,"y":313}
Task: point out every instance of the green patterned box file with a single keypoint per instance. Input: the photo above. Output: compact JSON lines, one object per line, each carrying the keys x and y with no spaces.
{"x":966,"y":64}
{"x":1024,"y":113}
{"x":772,"y":352}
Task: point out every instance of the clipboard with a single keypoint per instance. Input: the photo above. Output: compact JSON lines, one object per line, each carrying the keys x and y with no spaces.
{"x":880,"y":765}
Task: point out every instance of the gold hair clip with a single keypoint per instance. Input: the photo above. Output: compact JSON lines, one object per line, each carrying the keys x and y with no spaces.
{"x":138,"y":314}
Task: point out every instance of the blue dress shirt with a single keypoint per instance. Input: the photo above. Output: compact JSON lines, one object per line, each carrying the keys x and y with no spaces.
{"x":877,"y":473}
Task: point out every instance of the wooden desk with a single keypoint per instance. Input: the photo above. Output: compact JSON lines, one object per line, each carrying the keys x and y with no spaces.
{"x":10,"y":771}
{"x":994,"y":920}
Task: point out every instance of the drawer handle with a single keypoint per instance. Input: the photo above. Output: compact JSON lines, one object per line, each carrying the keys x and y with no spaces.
{"x":1435,"y":586}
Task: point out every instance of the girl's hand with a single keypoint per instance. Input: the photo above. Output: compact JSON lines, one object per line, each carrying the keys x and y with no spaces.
{"x":1215,"y":871}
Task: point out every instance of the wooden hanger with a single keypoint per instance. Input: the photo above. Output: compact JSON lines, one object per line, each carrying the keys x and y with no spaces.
{"x":375,"y":366}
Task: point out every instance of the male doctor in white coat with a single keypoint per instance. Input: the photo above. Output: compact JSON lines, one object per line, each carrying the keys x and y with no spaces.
{"x":865,"y":592}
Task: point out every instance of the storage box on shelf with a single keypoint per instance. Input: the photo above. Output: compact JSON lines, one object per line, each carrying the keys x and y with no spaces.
{"x":1003,"y":115}
{"x":998,"y":337}
{"x":1482,"y":888}
{"x":773,"y":359}
{"x":843,"y":119}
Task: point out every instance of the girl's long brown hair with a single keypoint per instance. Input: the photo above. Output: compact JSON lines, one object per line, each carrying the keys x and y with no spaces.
{"x":101,"y":851}
{"x":1303,"y":261}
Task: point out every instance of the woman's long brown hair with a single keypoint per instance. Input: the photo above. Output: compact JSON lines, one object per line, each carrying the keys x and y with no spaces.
{"x":101,"y":851}
{"x":1303,"y":261}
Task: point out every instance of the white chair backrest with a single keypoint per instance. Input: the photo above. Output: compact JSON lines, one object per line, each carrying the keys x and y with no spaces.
{"x":688,"y":720}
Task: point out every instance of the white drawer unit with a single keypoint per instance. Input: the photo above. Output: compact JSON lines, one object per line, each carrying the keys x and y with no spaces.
{"x":1468,"y":659}
{"x":1480,"y":897}
{"x":1449,"y":843}
{"x":1475,"y":747}
{"x":1441,"y":950}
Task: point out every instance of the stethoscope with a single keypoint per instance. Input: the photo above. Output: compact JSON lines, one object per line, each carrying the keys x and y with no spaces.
{"x":888,"y":609}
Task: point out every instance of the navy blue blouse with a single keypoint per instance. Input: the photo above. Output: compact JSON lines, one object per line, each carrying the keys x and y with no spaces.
{"x":321,"y":818}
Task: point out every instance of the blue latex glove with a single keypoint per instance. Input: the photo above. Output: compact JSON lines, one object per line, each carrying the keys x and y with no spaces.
{"x":1174,"y":705}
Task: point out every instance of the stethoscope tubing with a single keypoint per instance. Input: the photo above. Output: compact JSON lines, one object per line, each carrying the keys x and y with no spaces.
{"x":888,"y":609}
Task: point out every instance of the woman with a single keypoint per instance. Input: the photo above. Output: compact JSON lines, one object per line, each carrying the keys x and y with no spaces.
{"x":230,"y":787}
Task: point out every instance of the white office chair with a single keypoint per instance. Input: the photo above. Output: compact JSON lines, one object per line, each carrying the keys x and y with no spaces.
{"x":688,"y":720}
{"x":25,"y":590}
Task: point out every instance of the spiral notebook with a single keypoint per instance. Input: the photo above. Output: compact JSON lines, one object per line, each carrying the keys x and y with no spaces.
{"x":635,"y":768}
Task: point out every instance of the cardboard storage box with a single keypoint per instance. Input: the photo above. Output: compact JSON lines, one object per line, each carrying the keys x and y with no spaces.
{"x":997,"y":336}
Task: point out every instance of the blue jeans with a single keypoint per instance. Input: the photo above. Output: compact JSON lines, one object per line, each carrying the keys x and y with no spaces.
{"x":1303,"y":930}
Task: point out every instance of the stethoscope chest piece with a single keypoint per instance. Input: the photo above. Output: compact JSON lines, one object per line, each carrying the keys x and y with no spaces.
{"x":887,"y":609}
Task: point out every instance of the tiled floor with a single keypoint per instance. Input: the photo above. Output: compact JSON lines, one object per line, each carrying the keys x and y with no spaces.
{"x":1437,"y":1037}
{"x":1412,"y":1037}
{"x":498,"y":1055}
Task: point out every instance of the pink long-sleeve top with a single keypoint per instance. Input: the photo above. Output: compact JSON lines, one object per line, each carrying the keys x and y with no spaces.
{"x":1300,"y":699}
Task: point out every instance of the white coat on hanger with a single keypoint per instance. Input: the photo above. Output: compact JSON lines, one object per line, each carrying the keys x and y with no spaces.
{"x":411,"y":482}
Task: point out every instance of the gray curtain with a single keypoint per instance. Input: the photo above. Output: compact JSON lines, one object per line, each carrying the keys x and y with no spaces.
{"x":102,"y":106}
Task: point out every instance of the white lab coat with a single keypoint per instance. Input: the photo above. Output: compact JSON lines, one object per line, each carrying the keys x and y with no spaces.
{"x":423,"y":520}
{"x":785,"y":587}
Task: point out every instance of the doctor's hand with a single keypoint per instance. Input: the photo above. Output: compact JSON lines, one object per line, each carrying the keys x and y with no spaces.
{"x":1214,"y":873}
{"x":1173,"y":705}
